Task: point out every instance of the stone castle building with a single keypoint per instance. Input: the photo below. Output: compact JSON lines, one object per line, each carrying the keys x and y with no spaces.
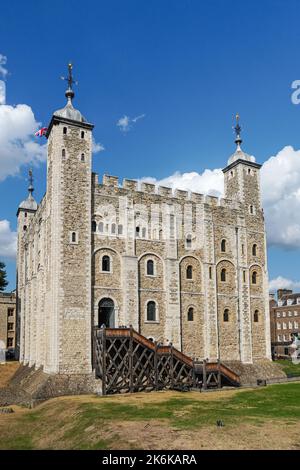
{"x":179,"y":267}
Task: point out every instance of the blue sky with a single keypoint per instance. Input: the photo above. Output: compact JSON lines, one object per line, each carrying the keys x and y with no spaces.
{"x":188,"y":65}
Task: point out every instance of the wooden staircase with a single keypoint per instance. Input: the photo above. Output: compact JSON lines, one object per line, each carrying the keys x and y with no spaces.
{"x":126,"y":361}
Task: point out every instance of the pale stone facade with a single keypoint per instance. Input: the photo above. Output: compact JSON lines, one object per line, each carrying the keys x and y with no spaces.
{"x":8,"y":319}
{"x":179,"y":267}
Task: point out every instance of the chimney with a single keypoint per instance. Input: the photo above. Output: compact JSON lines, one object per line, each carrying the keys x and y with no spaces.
{"x":282,"y":292}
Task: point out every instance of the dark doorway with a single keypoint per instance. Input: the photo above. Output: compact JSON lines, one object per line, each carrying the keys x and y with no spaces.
{"x":106,"y":315}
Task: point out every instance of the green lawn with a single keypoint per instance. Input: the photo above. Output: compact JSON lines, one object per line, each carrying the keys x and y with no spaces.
{"x":289,"y":368}
{"x":95,"y":422}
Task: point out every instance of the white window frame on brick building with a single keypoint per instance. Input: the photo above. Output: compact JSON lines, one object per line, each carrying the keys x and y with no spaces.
{"x":278,"y":326}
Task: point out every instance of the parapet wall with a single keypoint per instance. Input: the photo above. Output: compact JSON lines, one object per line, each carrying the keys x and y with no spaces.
{"x":134,"y":186}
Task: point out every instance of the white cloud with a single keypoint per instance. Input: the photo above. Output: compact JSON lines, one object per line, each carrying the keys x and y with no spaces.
{"x":125,"y":122}
{"x":280,"y":176}
{"x":8,"y":240}
{"x":3,"y":69}
{"x":17,"y":144}
{"x":209,"y":182}
{"x":2,"y":92}
{"x":97,"y":147}
{"x":280,"y":183}
{"x":283,"y":283}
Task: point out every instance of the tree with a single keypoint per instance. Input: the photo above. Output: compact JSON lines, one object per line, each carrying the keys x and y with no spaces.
{"x":3,"y":281}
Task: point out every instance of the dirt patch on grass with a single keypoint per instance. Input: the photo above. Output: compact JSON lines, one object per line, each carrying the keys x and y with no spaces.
{"x":7,"y":371}
{"x":156,"y":435}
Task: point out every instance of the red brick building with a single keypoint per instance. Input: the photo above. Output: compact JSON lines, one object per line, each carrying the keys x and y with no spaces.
{"x":284,"y":321}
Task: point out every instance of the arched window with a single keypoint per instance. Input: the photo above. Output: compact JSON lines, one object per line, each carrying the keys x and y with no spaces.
{"x":189,"y":272}
{"x":106,"y":263}
{"x":254,"y":249}
{"x":137,"y":231}
{"x":190,"y":315}
{"x":255,"y":316}
{"x":113,"y":228}
{"x":120,"y":229}
{"x":226,"y":315}
{"x":101,"y":227}
{"x":82,"y":134}
{"x":188,"y":241}
{"x":223,"y":246}
{"x":63,"y":153}
{"x":64,"y":130}
{"x":151,"y":311}
{"x":223,"y":275}
{"x":82,"y":157}
{"x":94,"y":226}
{"x":73,"y":237}
{"x":254,"y":277}
{"x":150,"y":267}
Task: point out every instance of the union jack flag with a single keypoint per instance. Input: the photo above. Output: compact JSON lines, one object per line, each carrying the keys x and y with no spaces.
{"x":41,"y":132}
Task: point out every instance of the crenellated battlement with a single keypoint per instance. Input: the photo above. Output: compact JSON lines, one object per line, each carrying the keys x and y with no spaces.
{"x":161,"y":192}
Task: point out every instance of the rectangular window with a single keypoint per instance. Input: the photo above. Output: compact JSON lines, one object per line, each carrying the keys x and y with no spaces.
{"x":10,"y":326}
{"x":10,"y":342}
{"x":279,"y":338}
{"x":284,"y":326}
{"x":10,"y":312}
{"x":278,"y":314}
{"x":278,"y":326}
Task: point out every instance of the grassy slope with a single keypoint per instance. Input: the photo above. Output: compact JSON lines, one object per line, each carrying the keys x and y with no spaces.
{"x":289,"y":368}
{"x":95,"y":423}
